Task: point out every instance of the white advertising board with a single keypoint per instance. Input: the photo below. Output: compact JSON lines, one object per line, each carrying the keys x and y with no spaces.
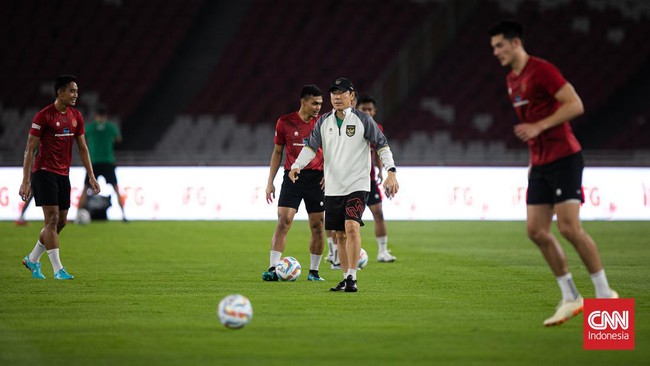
{"x":426,"y":193}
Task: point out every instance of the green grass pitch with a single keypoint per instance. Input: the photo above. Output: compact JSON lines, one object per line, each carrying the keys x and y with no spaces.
{"x":466,"y":293}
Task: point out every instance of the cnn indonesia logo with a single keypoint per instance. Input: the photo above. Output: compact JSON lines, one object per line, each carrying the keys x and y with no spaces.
{"x":609,"y":324}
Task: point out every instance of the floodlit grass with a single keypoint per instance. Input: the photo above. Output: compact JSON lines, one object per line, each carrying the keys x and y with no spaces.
{"x":464,"y":293}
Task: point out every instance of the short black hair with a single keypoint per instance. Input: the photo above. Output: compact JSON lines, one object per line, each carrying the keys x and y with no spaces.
{"x":62,"y":81}
{"x":367,"y":99}
{"x":101,"y":110}
{"x":509,"y":28}
{"x":310,"y":90}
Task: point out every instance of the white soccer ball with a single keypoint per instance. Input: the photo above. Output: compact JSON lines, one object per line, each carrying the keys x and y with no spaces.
{"x":83,"y":217}
{"x":288,"y":269}
{"x":235,"y":311}
{"x":363,"y":259}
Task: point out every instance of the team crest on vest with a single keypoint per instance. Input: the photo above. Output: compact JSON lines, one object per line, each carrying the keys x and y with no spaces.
{"x":349,"y":130}
{"x":74,"y":123}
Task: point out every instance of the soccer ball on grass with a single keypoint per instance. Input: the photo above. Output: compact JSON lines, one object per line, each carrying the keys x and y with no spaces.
{"x":235,"y":311}
{"x":288,"y":269}
{"x":363,"y":259}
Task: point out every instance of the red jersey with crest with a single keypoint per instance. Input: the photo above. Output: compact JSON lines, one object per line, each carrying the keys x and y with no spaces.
{"x":292,"y":132}
{"x":57,"y":132}
{"x":532,"y":95}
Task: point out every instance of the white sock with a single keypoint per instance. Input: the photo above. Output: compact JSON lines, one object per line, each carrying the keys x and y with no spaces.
{"x":330,"y":243}
{"x":568,"y":288}
{"x":353,"y":273}
{"x":335,"y":248}
{"x":54,"y":259}
{"x":315,"y":261}
{"x":601,"y":285}
{"x":382,"y":243}
{"x":37,"y":252}
{"x":274,"y":258}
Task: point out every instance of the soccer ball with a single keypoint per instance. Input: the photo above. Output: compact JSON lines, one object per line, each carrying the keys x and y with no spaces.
{"x":288,"y":269}
{"x":235,"y":311}
{"x":363,"y":259}
{"x":83,"y":217}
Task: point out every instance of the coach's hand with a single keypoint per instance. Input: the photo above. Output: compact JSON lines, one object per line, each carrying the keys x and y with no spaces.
{"x":391,"y":186}
{"x":293,"y":174}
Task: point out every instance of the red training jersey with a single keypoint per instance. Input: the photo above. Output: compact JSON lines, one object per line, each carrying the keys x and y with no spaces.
{"x":532,"y":94}
{"x":292,"y":132}
{"x":57,"y":132}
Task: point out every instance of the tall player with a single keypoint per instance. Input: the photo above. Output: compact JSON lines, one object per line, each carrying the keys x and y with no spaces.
{"x":368,"y":104}
{"x":291,"y":133}
{"x":545,"y":102}
{"x":54,"y":130}
{"x":345,"y":135}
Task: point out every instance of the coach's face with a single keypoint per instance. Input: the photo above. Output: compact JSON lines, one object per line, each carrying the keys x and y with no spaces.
{"x":341,"y":99}
{"x":504,"y":49}
{"x":69,"y":94}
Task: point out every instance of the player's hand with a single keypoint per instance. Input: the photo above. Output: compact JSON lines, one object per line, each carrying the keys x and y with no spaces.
{"x":94,"y":185}
{"x":527,"y":131}
{"x":25,"y":191}
{"x":270,"y":193}
{"x":293,"y":175}
{"x":380,"y":175}
{"x":391,"y":186}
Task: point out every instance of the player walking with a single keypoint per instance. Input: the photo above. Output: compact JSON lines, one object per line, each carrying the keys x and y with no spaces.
{"x":54,"y":130}
{"x":545,"y":102}
{"x":345,"y":135}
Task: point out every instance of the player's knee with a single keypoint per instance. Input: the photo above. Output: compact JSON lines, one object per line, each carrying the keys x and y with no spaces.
{"x":569,"y":230}
{"x":537,"y":235}
{"x":284,"y":222}
{"x":52,"y":221}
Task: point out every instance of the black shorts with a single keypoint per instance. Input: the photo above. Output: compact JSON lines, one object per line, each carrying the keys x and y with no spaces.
{"x":106,"y":170}
{"x":556,"y":182}
{"x":375,"y":194}
{"x":338,"y":209}
{"x":306,"y":188}
{"x":51,"y":189}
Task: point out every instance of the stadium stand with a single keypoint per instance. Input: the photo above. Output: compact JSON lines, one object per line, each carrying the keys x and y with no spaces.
{"x":262,"y":53}
{"x":117,"y":49}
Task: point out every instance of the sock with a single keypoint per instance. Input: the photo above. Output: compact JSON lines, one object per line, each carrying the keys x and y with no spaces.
{"x":330,"y":243}
{"x":37,"y":252}
{"x":382,"y":243}
{"x":353,"y":273}
{"x":315,"y":261}
{"x":54,"y":258}
{"x":601,"y":285}
{"x":335,"y":250}
{"x":274,"y":258}
{"x":568,"y":288}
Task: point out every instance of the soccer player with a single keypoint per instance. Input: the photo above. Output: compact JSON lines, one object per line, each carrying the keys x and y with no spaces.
{"x":368,"y":104}
{"x":345,"y":135}
{"x":545,"y":102}
{"x":53,"y":132}
{"x":102,"y":135}
{"x":291,"y":133}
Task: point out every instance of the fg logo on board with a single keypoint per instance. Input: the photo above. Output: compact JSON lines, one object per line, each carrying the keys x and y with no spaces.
{"x":608,"y":324}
